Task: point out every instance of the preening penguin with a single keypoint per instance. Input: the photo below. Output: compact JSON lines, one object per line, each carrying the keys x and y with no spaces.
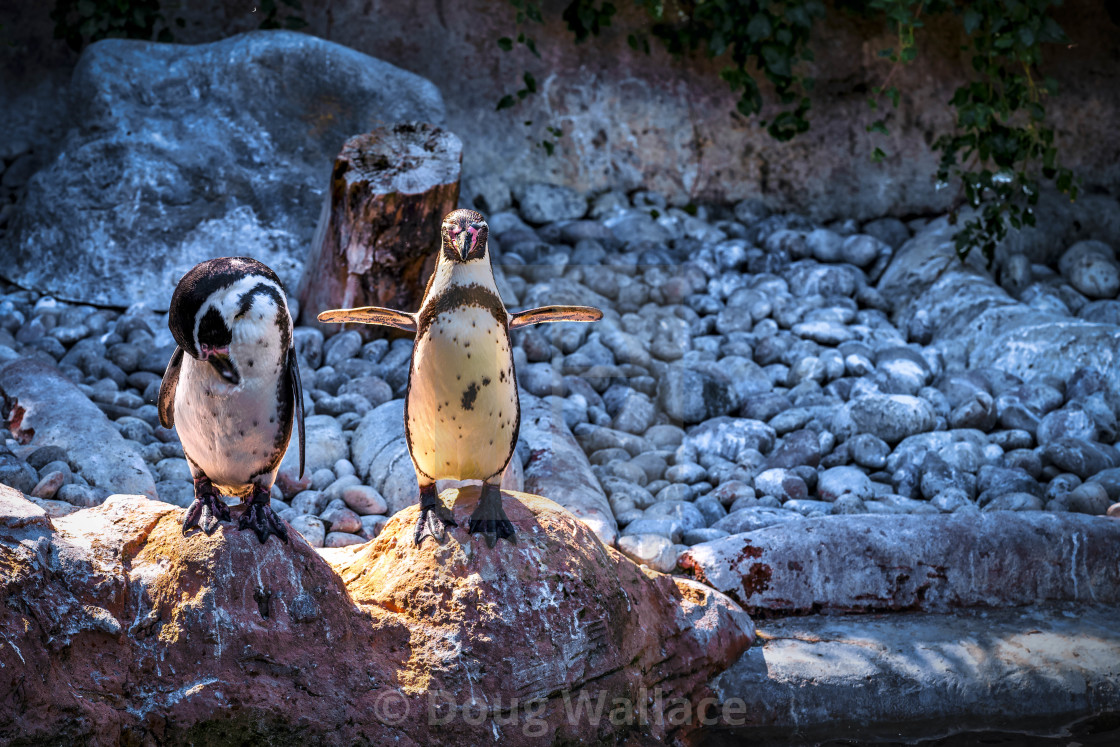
{"x":462,"y":413}
{"x":232,"y":389}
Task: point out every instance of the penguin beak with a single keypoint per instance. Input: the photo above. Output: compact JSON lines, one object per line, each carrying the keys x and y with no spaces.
{"x":466,"y":242}
{"x":219,"y":359}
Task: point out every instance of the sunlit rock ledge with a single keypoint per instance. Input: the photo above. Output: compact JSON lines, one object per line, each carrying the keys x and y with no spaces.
{"x":119,"y":628}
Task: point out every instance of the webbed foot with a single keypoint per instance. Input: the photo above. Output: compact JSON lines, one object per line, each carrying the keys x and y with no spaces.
{"x":259,"y":517}
{"x":490,"y":519}
{"x":208,"y":508}
{"x":434,"y":517}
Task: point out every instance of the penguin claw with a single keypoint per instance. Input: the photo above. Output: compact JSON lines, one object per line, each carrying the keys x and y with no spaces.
{"x":205,"y":513}
{"x":489,"y":518}
{"x":434,"y":521}
{"x":493,"y":530}
{"x":260,"y":518}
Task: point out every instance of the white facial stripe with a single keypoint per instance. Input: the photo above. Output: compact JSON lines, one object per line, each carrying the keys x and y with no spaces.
{"x":228,"y":300}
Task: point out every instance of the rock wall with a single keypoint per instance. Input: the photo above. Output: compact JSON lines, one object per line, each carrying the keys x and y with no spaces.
{"x":630,"y":120}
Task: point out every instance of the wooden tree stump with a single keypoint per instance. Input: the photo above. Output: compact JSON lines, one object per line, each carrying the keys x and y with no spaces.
{"x":390,"y":189}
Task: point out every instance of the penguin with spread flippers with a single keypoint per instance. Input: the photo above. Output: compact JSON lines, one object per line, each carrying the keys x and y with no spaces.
{"x":462,"y":413}
{"x":232,"y":389}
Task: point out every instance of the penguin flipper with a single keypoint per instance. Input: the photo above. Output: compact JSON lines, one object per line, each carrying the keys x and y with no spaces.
{"x":167,"y":389}
{"x":296,"y":387}
{"x":547,"y":314}
{"x":371,"y":315}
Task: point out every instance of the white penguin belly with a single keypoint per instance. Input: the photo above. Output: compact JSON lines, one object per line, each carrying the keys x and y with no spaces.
{"x":462,"y":401}
{"x":229,"y":432}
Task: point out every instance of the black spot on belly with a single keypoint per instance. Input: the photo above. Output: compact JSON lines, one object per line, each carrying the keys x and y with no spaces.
{"x":486,"y":381}
{"x":469,"y":395}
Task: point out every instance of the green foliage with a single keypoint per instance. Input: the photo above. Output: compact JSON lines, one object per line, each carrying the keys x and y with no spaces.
{"x":771,"y":36}
{"x":1001,"y":142}
{"x":79,"y":22}
{"x":1000,"y":148}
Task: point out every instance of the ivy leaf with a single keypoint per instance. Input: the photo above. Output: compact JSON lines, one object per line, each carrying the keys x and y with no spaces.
{"x":1051,"y":32}
{"x":878,"y":126}
{"x":971,"y":20}
{"x":505,"y":43}
{"x":505,"y":102}
{"x":759,"y":27}
{"x":776,"y":59}
{"x":878,"y":155}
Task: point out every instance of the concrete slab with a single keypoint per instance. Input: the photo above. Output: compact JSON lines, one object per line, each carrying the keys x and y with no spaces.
{"x":907,"y":676}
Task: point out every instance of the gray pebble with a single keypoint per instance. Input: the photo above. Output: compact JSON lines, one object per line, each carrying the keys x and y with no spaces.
{"x":665,"y":527}
{"x":310,"y":527}
{"x":686,"y":472}
{"x":373,"y":524}
{"x":174,"y":468}
{"x":1014,"y":502}
{"x":653,"y":550}
{"x":176,"y":492}
{"x":340,"y":519}
{"x":684,"y":513}
{"x":364,"y":500}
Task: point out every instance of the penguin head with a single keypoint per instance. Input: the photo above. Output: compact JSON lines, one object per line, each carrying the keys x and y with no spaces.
{"x":227,"y":312}
{"x":464,"y":235}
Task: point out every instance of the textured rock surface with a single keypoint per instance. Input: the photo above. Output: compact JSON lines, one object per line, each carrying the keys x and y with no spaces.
{"x":118,"y":628}
{"x":180,"y":153}
{"x":930,"y":563}
{"x":632,"y":120}
{"x":46,"y":409}
{"x":917,"y":676}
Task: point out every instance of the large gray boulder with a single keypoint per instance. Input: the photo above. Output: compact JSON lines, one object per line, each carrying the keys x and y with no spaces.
{"x":46,"y":409}
{"x":182,"y":153}
{"x":868,"y":563}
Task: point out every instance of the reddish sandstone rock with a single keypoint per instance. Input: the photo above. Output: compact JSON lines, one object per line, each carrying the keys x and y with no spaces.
{"x":117,"y":628}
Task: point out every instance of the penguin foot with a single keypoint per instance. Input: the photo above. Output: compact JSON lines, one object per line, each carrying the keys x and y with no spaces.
{"x":207,"y":510}
{"x":259,"y":517}
{"x":490,"y":519}
{"x":434,"y":519}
